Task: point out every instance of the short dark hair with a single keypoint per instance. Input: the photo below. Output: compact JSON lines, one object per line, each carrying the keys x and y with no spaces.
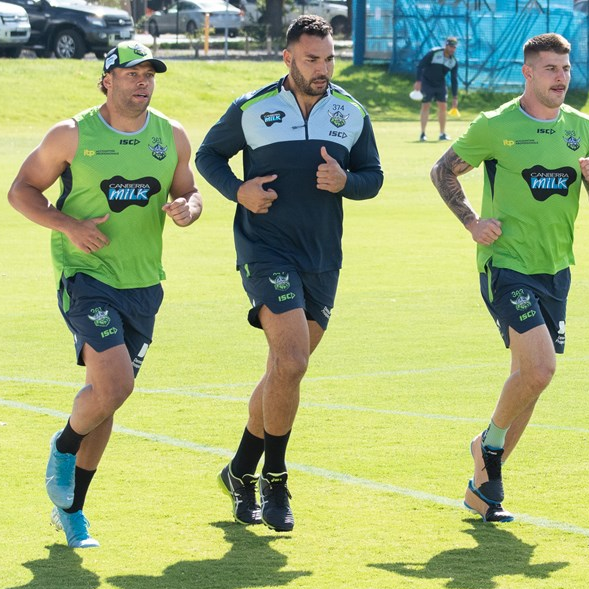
{"x":546,"y":42}
{"x":307,"y":24}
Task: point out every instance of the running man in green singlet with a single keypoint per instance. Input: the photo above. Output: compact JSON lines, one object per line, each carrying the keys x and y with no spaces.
{"x":534,"y":149}
{"x":117,"y":164}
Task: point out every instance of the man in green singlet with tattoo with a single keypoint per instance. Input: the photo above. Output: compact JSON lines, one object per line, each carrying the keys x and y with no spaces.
{"x":534,"y":149}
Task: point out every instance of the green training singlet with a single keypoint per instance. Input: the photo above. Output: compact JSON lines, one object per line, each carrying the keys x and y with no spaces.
{"x":532,"y":184}
{"x":127,"y":175}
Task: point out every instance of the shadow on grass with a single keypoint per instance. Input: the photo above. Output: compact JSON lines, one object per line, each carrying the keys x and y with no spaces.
{"x":62,"y":568}
{"x":499,"y":552}
{"x":250,"y":562}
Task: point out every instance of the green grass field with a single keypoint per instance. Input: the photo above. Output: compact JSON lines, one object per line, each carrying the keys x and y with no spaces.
{"x":408,"y":372}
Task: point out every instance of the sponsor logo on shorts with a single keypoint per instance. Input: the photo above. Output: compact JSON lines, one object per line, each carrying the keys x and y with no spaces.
{"x":560,"y":338}
{"x":99,"y":317}
{"x":286,"y":297}
{"x":522,"y":302}
{"x":326,"y":312}
{"x":280,"y":280}
{"x":527,"y":315}
{"x":107,"y":332}
{"x":138,"y":360}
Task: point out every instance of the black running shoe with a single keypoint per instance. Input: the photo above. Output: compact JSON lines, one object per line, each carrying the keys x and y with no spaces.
{"x":274,"y":495}
{"x":487,"y":470}
{"x":242,"y":492}
{"x":488,"y":510}
{"x":484,"y":493}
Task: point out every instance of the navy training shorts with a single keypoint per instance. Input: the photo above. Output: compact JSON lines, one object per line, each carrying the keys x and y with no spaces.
{"x":431,"y":93}
{"x":104,"y":317}
{"x":522,"y":301}
{"x":282,"y":288}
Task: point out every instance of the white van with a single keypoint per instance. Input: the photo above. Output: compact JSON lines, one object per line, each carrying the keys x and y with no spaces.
{"x":15,"y":29}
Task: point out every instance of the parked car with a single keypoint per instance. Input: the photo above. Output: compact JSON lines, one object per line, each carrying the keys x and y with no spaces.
{"x":15,"y":29}
{"x":188,"y":17}
{"x":72,"y":28}
{"x":335,"y":12}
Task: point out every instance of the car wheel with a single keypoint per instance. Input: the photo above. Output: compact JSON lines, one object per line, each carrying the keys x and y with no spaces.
{"x":340,"y":25}
{"x":152,"y":28}
{"x":69,"y":45}
{"x":232,"y":33}
{"x":191,"y":28}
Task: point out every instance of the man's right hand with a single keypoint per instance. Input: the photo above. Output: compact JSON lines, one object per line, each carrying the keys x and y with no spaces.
{"x":484,"y":231}
{"x":254,"y":197}
{"x":86,"y":236}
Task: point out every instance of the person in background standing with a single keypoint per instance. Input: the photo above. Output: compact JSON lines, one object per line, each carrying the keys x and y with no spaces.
{"x":431,"y":82}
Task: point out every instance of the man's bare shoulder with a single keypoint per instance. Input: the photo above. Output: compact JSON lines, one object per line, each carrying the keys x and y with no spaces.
{"x":61,"y":141}
{"x":64,"y":129}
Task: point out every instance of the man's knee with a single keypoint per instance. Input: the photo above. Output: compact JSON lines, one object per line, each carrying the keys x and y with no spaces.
{"x":539,"y":377}
{"x":110,"y":393}
{"x":290,"y":365}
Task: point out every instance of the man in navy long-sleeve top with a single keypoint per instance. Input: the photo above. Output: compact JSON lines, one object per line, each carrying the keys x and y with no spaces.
{"x":306,"y":145}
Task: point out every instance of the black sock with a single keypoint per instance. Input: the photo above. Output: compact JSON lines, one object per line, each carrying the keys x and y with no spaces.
{"x":69,"y":441}
{"x":83,"y":480}
{"x":275,"y":450}
{"x":248,"y":454}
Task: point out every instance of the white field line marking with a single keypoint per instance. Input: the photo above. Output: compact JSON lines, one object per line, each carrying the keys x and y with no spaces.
{"x":197,"y":394}
{"x":311,"y":470}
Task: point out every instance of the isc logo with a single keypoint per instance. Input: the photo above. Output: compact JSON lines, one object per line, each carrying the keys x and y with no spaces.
{"x":546,"y":131}
{"x":129,"y":142}
{"x":108,"y":332}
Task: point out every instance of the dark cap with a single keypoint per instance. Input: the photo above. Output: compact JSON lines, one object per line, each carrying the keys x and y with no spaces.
{"x":130,"y":54}
{"x":452,"y":41}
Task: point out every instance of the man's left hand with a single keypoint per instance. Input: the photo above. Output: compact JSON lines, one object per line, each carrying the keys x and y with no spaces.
{"x":330,"y":175}
{"x":179,"y":211}
{"x":584,"y":163}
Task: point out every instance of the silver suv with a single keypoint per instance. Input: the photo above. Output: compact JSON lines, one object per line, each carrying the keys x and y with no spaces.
{"x":335,"y":12}
{"x":15,"y":29}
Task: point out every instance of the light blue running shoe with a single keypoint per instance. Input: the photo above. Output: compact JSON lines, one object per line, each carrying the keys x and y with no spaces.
{"x":75,"y":525}
{"x":60,"y":476}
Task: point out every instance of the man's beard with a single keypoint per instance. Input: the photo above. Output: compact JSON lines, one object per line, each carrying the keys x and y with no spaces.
{"x":302,"y":84}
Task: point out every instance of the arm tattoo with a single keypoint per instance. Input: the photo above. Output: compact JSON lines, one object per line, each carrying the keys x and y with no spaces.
{"x":444,"y":175}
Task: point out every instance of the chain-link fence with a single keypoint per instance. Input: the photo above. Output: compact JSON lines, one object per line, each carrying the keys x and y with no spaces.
{"x":491,"y":35}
